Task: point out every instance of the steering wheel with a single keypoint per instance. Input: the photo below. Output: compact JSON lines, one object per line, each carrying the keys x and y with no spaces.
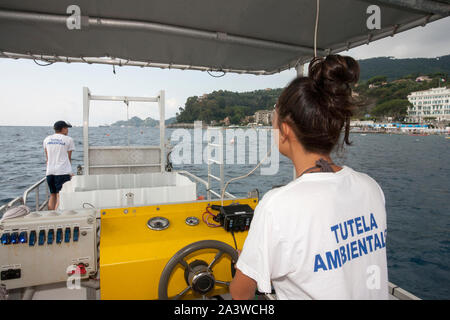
{"x":198,"y":274}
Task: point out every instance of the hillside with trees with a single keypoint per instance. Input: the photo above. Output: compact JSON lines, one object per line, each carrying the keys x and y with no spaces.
{"x":399,"y":68}
{"x":221,"y":104}
{"x":138,"y":122}
{"x":379,"y":98}
{"x":381,"y":92}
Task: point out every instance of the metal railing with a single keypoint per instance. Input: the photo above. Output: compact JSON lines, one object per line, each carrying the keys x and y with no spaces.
{"x":24,"y":199}
{"x":35,"y":187}
{"x":205,"y":183}
{"x":41,"y":206}
{"x":218,"y":148}
{"x":12,"y":203}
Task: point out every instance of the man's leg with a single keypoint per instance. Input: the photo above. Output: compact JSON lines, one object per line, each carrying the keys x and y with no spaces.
{"x":51,"y":186}
{"x":59,"y":181}
{"x":53,"y":201}
{"x":57,"y":201}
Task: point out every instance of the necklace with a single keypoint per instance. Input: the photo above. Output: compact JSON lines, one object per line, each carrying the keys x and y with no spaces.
{"x":321,"y":164}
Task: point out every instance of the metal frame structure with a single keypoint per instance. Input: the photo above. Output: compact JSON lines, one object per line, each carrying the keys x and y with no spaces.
{"x":221,"y":162}
{"x":218,"y":148}
{"x":432,"y":10}
{"x":35,"y":187}
{"x":24,"y":198}
{"x":88,"y":97}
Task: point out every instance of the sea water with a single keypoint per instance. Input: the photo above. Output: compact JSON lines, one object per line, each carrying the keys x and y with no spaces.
{"x":413,"y":171}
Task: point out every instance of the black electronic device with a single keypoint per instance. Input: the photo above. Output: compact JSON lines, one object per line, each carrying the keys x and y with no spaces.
{"x":235,"y":217}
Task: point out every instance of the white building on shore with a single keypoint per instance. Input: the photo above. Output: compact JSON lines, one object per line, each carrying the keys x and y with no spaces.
{"x":264,"y":117}
{"x":430,"y":104}
{"x":362,"y":123}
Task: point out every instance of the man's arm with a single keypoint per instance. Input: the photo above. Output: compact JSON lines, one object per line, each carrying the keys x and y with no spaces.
{"x":242,"y":287}
{"x":46,"y":155}
{"x":70,"y":149}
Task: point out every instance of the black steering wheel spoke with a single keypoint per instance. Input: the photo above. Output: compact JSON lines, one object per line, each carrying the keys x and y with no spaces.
{"x":184,"y":264}
{"x":182,"y":293}
{"x":217,"y":257}
{"x":226,"y":283}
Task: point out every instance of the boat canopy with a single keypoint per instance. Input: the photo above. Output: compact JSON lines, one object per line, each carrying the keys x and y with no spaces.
{"x":243,"y":36}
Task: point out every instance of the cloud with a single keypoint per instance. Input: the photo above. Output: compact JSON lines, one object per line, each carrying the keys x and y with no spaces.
{"x":172,"y":106}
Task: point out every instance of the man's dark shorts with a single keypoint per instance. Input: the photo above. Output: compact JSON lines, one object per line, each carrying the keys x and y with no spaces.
{"x":55,"y":182}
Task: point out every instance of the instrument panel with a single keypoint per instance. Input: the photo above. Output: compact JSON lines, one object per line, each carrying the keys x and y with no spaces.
{"x":48,"y":247}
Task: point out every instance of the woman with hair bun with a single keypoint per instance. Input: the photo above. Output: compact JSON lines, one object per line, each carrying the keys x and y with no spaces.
{"x":323,"y":235}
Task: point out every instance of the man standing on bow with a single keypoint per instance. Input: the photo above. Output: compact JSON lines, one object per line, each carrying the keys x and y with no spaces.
{"x":58,"y":149}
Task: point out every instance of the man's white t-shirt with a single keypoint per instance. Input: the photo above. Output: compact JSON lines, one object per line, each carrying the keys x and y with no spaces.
{"x":57,"y":146}
{"x":322,"y":236}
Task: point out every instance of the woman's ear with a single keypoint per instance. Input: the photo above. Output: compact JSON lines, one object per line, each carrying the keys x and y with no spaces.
{"x":285,"y":132}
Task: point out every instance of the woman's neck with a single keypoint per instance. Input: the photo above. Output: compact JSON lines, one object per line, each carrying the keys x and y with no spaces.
{"x":305,"y":160}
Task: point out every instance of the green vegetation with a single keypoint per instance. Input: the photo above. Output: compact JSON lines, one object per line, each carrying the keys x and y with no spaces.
{"x":400,"y":68}
{"x":221,"y":104}
{"x":390,"y":99}
{"x":394,"y":108}
{"x":383,"y":99}
{"x":390,"y":81}
{"x":377,"y":80}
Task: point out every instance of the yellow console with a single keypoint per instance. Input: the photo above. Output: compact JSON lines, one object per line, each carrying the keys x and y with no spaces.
{"x":133,"y":256}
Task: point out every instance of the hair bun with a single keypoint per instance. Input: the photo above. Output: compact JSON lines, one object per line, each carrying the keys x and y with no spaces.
{"x":334,"y":73}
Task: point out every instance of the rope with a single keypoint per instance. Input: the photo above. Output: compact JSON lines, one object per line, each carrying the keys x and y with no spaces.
{"x":316,"y":27}
{"x":43,"y":65}
{"x":219,"y":76}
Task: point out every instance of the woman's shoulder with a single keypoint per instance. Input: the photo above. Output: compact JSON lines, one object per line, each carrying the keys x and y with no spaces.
{"x":269,"y":195}
{"x":301,"y":189}
{"x":372,"y":184}
{"x":365,"y":177}
{"x":280,"y":195}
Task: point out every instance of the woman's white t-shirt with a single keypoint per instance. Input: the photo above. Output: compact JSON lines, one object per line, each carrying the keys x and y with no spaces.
{"x":322,"y":236}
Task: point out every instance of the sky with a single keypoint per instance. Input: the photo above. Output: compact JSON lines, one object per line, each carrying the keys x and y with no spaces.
{"x":31,"y":95}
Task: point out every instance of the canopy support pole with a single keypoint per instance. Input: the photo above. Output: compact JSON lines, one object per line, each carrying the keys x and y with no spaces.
{"x":86,"y":102}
